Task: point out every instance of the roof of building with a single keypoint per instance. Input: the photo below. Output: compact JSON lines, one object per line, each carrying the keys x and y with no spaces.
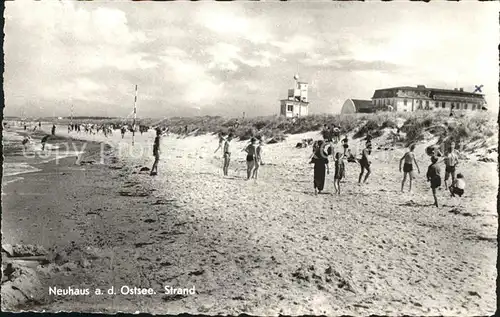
{"x":362,"y":104}
{"x":296,"y":101}
{"x":378,"y":92}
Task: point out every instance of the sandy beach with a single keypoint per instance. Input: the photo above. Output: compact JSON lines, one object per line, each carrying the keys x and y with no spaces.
{"x":266,"y":248}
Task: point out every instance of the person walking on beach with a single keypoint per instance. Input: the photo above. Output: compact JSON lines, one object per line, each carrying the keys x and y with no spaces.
{"x":251,"y":157}
{"x":434,"y":177}
{"x":123,"y":130}
{"x":320,"y":161}
{"x":221,"y":142}
{"x":156,"y":153}
{"x":339,"y":171}
{"x":25,"y":142}
{"x":345,"y":144}
{"x":39,"y":124}
{"x":258,"y":159}
{"x":451,"y":161}
{"x":44,"y":140}
{"x":365,"y":164}
{"x":227,"y":154}
{"x":409,"y":159}
{"x":53,"y":129}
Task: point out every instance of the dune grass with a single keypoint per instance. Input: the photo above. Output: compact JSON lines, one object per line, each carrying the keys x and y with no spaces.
{"x":464,"y":126}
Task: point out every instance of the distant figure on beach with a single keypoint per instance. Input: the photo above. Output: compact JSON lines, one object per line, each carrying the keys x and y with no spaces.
{"x":258,"y":159}
{"x":53,"y":129}
{"x":434,"y":177}
{"x":251,"y":151}
{"x":25,"y":141}
{"x":227,"y":154}
{"x":345,"y":144}
{"x":409,"y":159}
{"x":69,"y":128}
{"x":365,"y":164}
{"x":123,"y":130}
{"x":458,"y":187}
{"x":39,"y":124}
{"x":186,"y":130}
{"x":320,"y":161}
{"x":451,"y":162}
{"x":44,"y":140}
{"x":339,"y":171}
{"x":221,"y":141}
{"x":25,"y":127}
{"x":156,"y":153}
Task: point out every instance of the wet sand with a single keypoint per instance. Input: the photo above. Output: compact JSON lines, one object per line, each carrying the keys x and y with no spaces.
{"x":268,"y":247}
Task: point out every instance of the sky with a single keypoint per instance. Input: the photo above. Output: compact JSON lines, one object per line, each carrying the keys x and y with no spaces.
{"x":208,"y":58}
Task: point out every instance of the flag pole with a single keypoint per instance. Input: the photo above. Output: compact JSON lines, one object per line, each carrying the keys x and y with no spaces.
{"x":135,"y":116}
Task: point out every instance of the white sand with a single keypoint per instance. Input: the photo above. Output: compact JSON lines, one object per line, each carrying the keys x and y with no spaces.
{"x":265,"y":247}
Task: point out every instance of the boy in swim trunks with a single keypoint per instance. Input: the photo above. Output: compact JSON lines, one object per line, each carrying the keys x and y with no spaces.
{"x":409,"y":159}
{"x":339,"y":171}
{"x":434,"y":177}
{"x":227,"y":154}
{"x":365,"y":164}
{"x":451,"y":161}
{"x":458,"y":187}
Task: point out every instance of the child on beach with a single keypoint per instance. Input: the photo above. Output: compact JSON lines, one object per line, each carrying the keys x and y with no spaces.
{"x":227,"y":154}
{"x":251,"y":157}
{"x":258,"y":159}
{"x":434,"y":177}
{"x":409,"y":159}
{"x":345,"y":144}
{"x":365,"y":164}
{"x":156,"y":153}
{"x":123,"y":130}
{"x":451,"y":161}
{"x":458,"y":187}
{"x":53,"y":129}
{"x":339,"y":172}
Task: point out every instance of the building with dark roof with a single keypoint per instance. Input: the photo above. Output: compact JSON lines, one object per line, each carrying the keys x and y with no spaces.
{"x":409,"y":99}
{"x":357,"y":106}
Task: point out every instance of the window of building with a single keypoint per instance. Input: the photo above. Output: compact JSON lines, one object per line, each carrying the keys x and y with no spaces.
{"x":405,"y":102}
{"x":473,"y":107}
{"x":443,"y":105}
{"x":427,"y":105}
{"x":465,"y":106}
{"x":289,"y":108}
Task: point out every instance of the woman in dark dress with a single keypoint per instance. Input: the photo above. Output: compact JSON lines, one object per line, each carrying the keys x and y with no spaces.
{"x":320,"y":160}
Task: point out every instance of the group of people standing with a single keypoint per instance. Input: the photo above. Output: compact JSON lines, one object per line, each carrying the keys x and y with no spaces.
{"x":253,"y":157}
{"x":433,"y":175}
{"x":323,"y":149}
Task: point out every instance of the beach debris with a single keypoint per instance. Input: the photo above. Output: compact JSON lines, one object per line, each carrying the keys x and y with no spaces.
{"x":21,"y":250}
{"x":196,"y":273}
{"x":145,"y":169}
{"x":474,"y":293}
{"x":89,"y":162}
{"x":134,"y":194}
